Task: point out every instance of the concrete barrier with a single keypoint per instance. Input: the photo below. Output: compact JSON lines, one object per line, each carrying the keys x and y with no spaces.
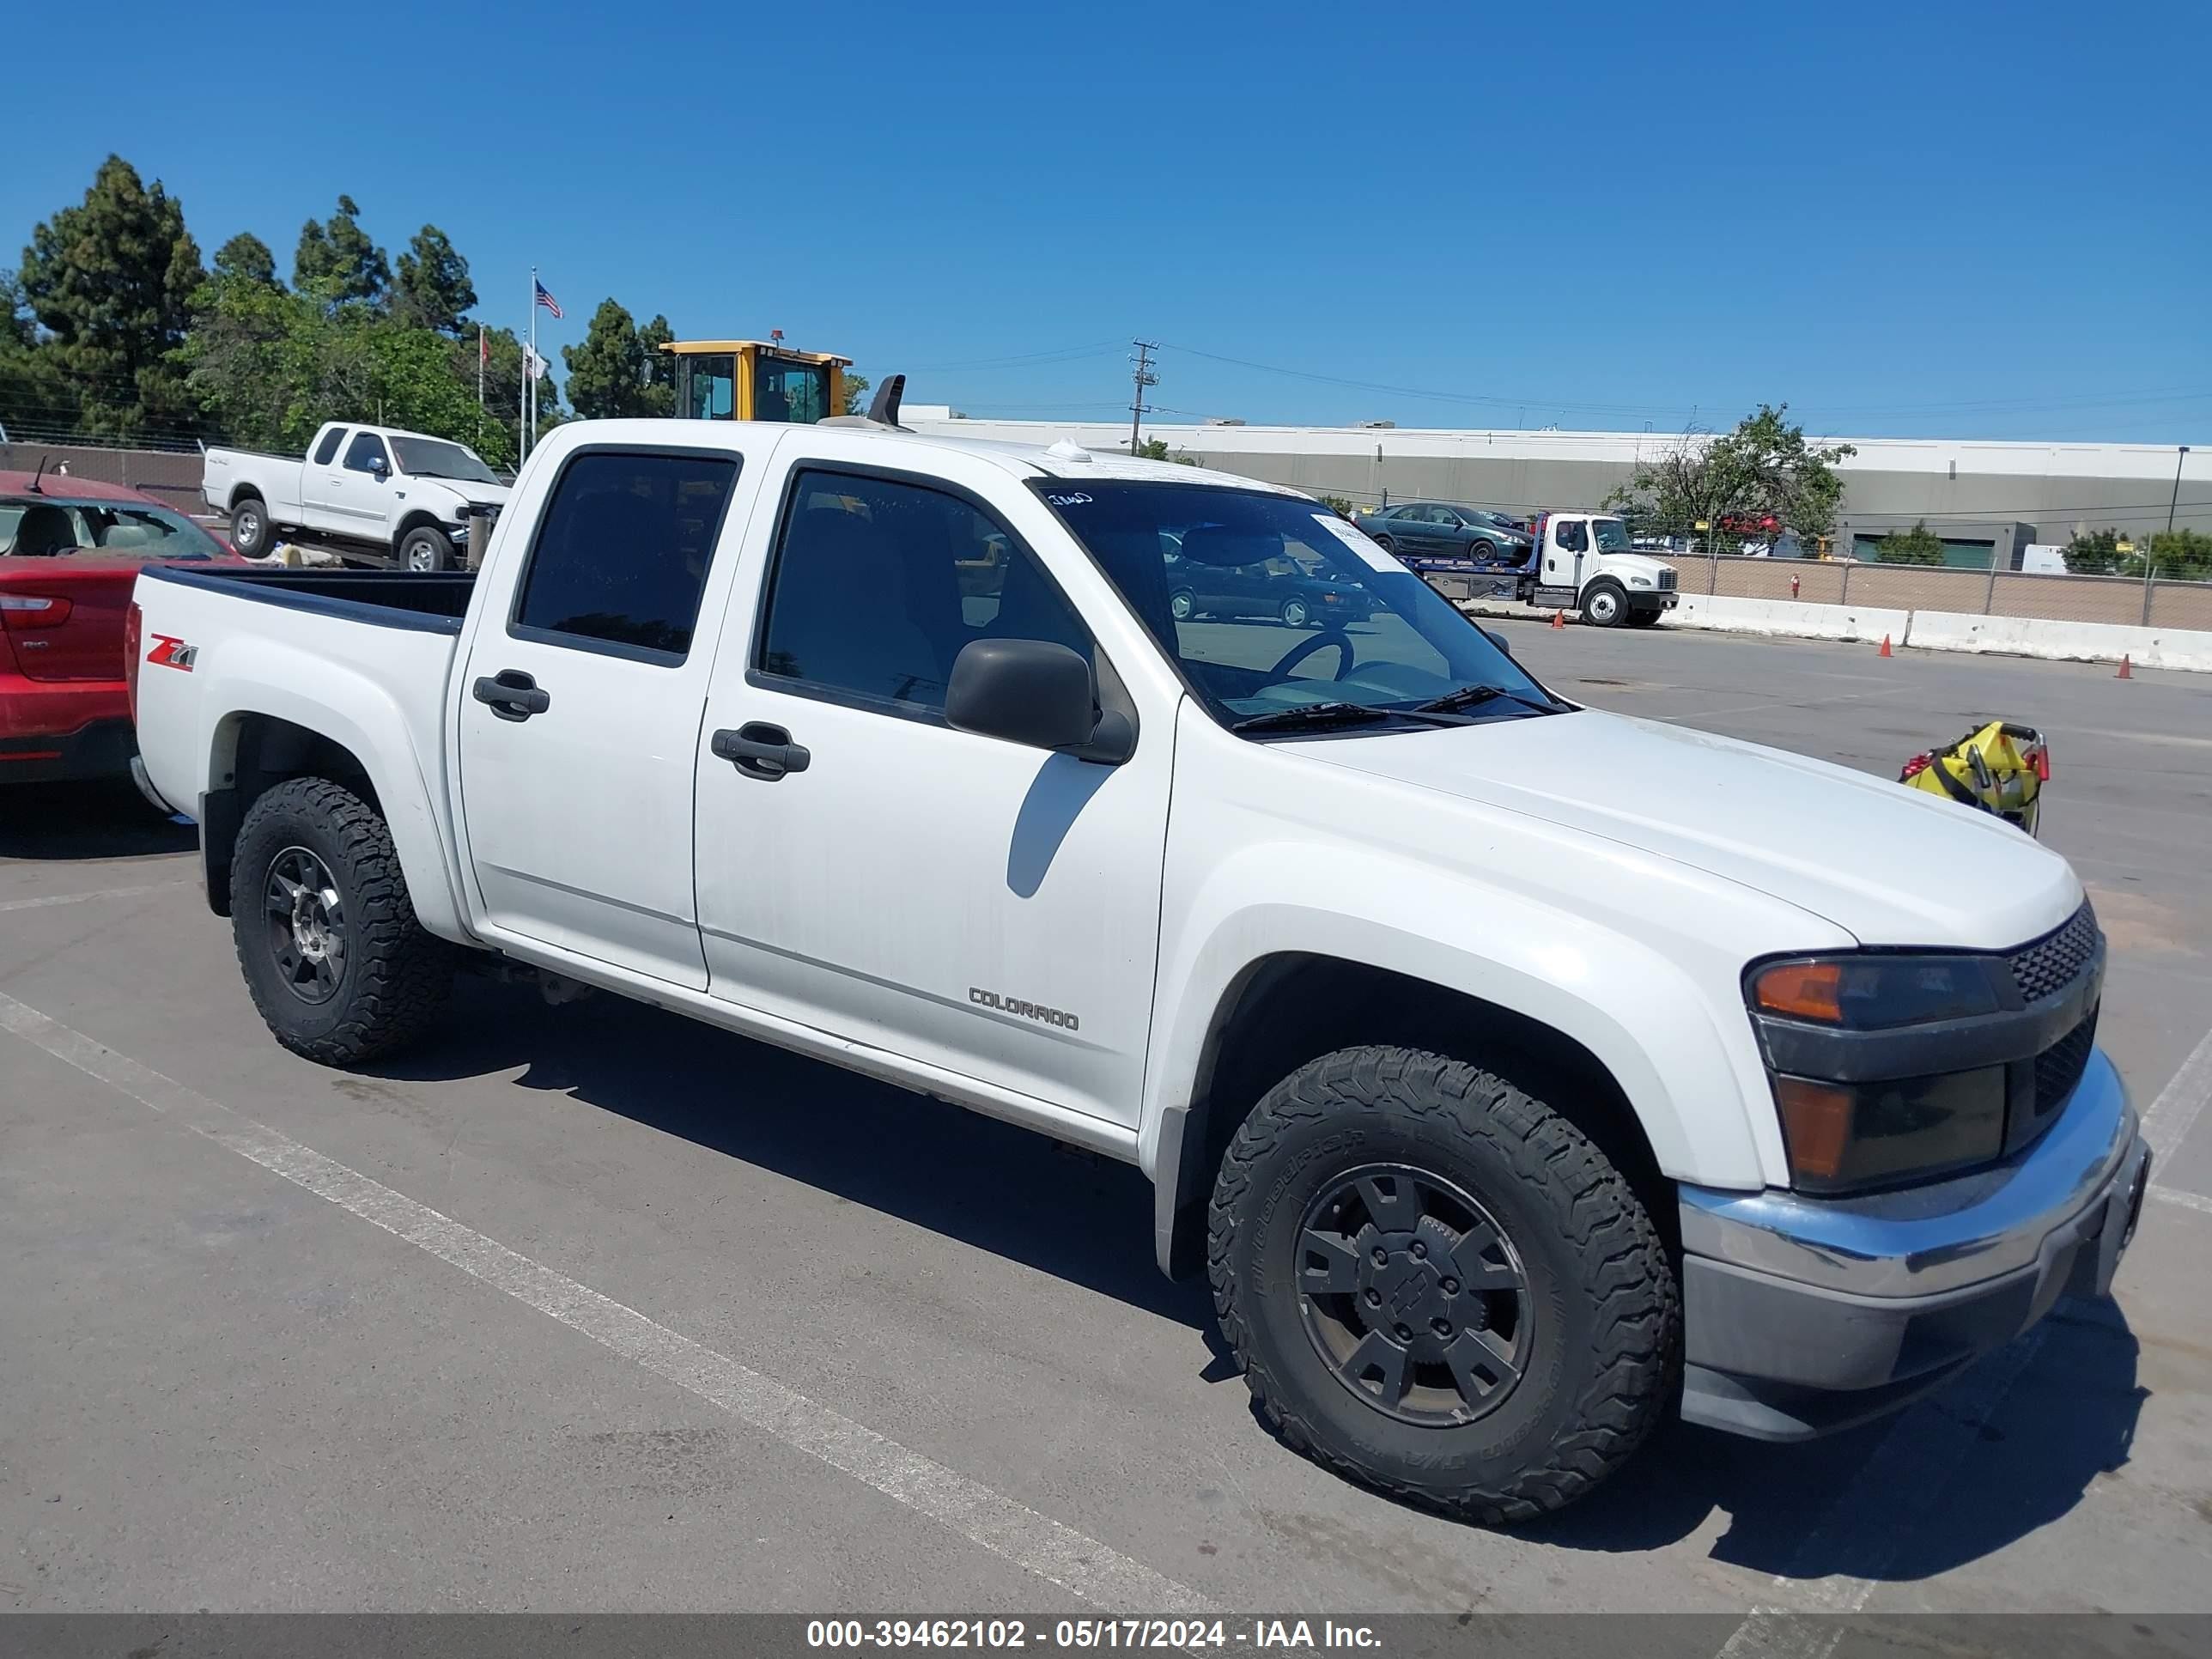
{"x":1789,"y":619}
{"x":2028,"y":636}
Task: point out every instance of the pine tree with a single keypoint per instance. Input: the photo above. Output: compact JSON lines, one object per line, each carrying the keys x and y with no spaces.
{"x":433,"y":289}
{"x":338,"y":259}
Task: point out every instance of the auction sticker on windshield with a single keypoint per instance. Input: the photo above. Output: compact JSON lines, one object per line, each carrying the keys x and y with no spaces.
{"x":1370,"y":551}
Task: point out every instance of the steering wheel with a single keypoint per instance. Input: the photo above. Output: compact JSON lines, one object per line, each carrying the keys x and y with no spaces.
{"x":1304,"y":648}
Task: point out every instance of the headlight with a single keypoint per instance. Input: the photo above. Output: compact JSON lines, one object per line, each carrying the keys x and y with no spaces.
{"x":1831,"y":1027}
{"x":1639,"y":581}
{"x":1871,"y":993}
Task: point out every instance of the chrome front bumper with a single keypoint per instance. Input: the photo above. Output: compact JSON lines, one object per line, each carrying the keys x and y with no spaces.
{"x":1804,"y":1314}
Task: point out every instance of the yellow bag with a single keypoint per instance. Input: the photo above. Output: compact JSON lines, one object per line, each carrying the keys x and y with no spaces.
{"x":2001,"y":768}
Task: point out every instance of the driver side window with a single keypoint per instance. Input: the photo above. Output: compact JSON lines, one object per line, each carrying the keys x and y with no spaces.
{"x":1573,"y":537}
{"x":366,"y":454}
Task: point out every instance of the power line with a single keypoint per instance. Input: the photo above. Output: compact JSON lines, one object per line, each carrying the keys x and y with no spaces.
{"x":1142,"y":378}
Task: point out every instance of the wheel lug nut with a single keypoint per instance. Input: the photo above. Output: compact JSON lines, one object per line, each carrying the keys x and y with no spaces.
{"x":1451,"y":1287}
{"x":1374,"y":1299}
{"x":1441,"y":1326}
{"x":1382,"y":1256}
{"x":1404,"y":1332}
{"x":1420,"y":1251}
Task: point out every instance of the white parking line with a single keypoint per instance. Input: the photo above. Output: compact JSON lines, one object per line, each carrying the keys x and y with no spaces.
{"x":51,"y":899}
{"x":2181,"y":1103}
{"x":1057,"y":1554}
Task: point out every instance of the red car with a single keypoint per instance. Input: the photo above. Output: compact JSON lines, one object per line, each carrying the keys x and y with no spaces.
{"x":71,"y":551}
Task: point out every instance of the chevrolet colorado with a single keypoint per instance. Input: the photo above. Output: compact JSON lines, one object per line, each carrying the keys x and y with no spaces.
{"x":1518,"y":1072}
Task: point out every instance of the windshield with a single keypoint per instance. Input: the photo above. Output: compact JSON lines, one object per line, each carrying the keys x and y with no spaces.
{"x":434,"y":457}
{"x":49,"y":526}
{"x":1611,"y":535}
{"x":1270,"y":603}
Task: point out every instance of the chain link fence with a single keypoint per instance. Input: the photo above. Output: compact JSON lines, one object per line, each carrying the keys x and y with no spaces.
{"x":2050,"y":598}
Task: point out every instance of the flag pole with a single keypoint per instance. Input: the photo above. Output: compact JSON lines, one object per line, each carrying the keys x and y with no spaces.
{"x":528,"y":379}
{"x":480,"y":369}
{"x":522,"y":400}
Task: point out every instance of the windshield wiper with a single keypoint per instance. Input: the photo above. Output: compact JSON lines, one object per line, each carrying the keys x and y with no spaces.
{"x":1467,"y":695}
{"x":1316,"y":714}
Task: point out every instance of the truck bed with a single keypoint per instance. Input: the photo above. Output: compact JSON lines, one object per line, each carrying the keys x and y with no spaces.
{"x":430,"y":603}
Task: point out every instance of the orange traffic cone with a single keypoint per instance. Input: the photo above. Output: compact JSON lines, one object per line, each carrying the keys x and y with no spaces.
{"x":1884,"y":650}
{"x":1558,"y":619}
{"x":2127,"y":672}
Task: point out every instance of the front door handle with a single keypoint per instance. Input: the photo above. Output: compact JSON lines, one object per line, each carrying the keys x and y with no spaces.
{"x":761,"y":751}
{"x":512,"y":694}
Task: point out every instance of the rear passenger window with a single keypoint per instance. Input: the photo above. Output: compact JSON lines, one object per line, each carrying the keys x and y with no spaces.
{"x":878,"y":586}
{"x":329,"y":447}
{"x":622,"y":553}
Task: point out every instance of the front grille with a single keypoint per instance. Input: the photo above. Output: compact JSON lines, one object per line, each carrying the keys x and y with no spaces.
{"x":1667,"y":579}
{"x":2059,"y":1067}
{"x":2049,"y":966}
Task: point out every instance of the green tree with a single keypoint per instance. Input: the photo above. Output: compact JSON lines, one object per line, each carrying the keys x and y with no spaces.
{"x":434,"y":291}
{"x":33,"y":396}
{"x":856,"y":393}
{"x":246,"y":257}
{"x":2095,"y":553}
{"x":339,"y":258}
{"x":609,"y":373}
{"x":1764,"y":467}
{"x":1156,"y":449}
{"x":2183,"y":556}
{"x":1918,"y":545}
{"x":659,"y":366}
{"x":110,"y":282}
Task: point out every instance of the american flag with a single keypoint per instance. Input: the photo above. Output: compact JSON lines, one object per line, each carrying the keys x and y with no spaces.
{"x":545,"y":299}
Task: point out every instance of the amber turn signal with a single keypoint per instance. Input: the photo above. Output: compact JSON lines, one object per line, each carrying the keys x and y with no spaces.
{"x":1816,"y":1125}
{"x":1802,"y":990}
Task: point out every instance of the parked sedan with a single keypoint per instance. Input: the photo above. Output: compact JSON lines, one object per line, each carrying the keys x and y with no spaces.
{"x":71,"y":550}
{"x":1281,"y":587}
{"x":1438,"y":529}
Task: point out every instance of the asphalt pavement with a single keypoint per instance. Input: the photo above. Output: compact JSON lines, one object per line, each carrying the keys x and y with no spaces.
{"x":594,"y":1308}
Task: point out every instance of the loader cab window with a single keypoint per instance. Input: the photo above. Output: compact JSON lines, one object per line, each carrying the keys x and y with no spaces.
{"x":710,"y":386}
{"x":798,"y":392}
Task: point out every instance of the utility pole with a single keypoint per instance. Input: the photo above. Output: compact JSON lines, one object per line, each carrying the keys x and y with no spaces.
{"x":2150,"y":561}
{"x":1143,"y":378}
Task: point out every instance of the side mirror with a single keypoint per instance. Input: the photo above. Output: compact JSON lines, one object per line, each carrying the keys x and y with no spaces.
{"x":1034,"y":693}
{"x":379,"y":467}
{"x":1498,"y":639}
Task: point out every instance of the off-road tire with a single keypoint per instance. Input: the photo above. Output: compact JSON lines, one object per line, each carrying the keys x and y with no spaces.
{"x":397,"y":975}
{"x":1607,"y":1329}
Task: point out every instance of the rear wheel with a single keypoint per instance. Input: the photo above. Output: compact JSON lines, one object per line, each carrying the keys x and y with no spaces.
{"x":1386,"y":544}
{"x":251,"y":532}
{"x":1182,"y":605}
{"x":327,"y":935}
{"x":1295,"y":613}
{"x":1439,"y":1287}
{"x":1604,"y":606}
{"x":426,"y":548}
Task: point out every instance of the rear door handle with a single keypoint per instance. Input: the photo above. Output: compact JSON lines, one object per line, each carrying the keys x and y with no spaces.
{"x":511,"y":694}
{"x":761,"y":751}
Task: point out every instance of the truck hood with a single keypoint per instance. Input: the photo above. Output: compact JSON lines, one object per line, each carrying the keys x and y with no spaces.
{"x":1625,"y":565}
{"x":1889,"y":865}
{"x":427,"y":488}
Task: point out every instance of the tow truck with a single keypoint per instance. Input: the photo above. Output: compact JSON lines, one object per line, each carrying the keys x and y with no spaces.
{"x":1576,"y":561}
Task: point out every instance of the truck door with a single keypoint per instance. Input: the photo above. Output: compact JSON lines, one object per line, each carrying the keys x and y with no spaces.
{"x":358,"y":491}
{"x":579,"y":702}
{"x":986,"y":907}
{"x":321,"y":481}
{"x":1566,"y":545}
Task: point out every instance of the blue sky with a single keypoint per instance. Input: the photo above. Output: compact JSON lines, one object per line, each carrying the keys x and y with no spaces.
{"x":1960,"y":219}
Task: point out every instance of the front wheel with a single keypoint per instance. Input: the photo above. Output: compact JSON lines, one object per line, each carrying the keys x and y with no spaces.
{"x":1295,"y":613}
{"x":1439,"y":1287}
{"x":426,"y":548}
{"x":327,"y":935}
{"x":1604,"y":606}
{"x":1182,"y":605}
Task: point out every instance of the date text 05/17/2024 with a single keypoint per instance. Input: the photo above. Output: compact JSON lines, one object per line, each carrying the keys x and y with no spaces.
{"x":1256,"y":1636}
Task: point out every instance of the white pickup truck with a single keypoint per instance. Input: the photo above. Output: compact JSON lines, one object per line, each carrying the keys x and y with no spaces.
{"x":1513,"y":1069}
{"x":405,"y":497}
